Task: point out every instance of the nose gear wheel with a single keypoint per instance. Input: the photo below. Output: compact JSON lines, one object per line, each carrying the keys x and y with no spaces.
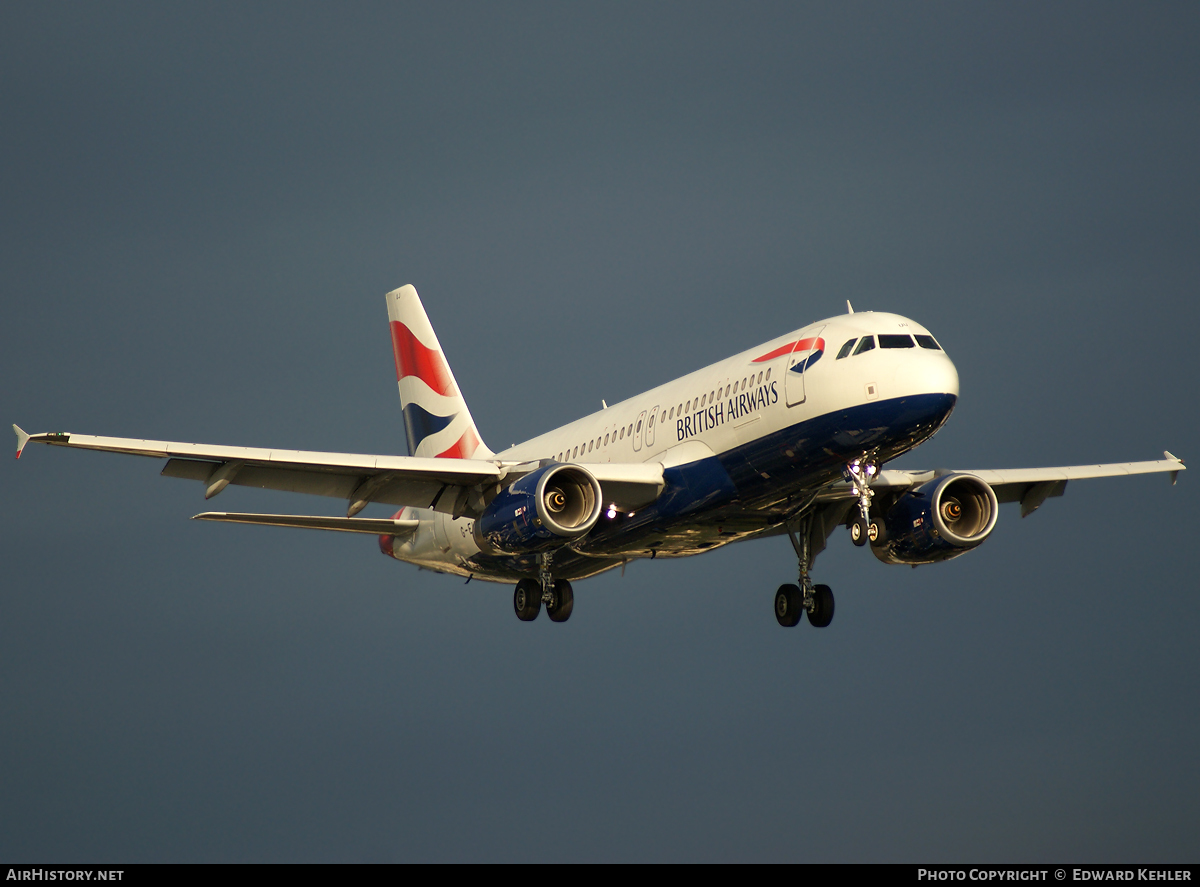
{"x":859,"y":473}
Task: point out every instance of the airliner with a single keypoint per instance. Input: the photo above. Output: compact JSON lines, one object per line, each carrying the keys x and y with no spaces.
{"x":788,"y":438}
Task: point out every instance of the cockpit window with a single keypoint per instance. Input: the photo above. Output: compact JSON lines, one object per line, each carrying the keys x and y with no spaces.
{"x":846,"y":349}
{"x":866,"y":344}
{"x":894,"y":341}
{"x":928,"y":342}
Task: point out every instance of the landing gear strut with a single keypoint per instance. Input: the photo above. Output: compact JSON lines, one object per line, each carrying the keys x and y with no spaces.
{"x":860,"y":473}
{"x":793,"y":601}
{"x":544,"y":578}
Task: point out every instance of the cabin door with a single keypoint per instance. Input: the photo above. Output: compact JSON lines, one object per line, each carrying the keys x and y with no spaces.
{"x":807,"y":352}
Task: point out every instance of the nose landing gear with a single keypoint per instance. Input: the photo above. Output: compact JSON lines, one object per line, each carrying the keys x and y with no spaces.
{"x":862,"y":532}
{"x":860,"y":473}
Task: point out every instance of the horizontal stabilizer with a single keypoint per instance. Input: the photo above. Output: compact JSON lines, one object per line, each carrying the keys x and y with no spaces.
{"x":375,"y":526}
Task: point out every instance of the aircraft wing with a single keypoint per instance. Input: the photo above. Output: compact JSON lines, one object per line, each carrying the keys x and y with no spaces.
{"x":1029,"y":486}
{"x":453,"y":486}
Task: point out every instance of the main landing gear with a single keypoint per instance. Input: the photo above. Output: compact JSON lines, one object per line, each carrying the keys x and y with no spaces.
{"x":860,"y":473}
{"x":556,"y":594}
{"x":793,"y":601}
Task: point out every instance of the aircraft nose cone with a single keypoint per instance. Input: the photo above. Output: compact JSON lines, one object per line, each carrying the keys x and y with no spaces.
{"x":927,"y":373}
{"x":944,"y":377}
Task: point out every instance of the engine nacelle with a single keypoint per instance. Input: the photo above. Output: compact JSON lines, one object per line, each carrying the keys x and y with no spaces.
{"x":940,"y":520}
{"x":541,"y":511}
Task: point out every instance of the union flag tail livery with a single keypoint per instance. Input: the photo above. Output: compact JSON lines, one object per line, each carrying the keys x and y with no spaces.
{"x":782,"y":439}
{"x":436,"y":419}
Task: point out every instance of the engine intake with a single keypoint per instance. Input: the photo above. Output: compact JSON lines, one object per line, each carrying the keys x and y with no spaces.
{"x":938,"y":521}
{"x":542,"y":510}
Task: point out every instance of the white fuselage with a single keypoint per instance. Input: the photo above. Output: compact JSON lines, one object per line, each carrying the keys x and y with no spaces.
{"x":729,"y":404}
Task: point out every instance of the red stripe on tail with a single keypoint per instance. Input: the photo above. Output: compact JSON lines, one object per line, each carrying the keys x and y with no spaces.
{"x":466,"y":446}
{"x":414,"y":359}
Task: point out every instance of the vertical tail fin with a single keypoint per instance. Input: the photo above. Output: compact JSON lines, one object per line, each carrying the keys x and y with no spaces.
{"x":436,"y":418}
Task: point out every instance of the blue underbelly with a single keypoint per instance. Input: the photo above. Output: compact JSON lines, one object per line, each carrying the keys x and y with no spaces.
{"x":769,"y":475}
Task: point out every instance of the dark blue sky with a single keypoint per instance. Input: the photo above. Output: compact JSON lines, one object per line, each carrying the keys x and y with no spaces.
{"x":203,"y":208}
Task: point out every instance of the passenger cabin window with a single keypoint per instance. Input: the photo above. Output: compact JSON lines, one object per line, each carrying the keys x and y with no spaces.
{"x":895,"y":341}
{"x":927,"y":342}
{"x":846,"y":349}
{"x":866,"y":344}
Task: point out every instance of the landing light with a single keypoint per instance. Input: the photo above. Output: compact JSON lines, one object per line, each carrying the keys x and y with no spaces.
{"x":856,"y":468}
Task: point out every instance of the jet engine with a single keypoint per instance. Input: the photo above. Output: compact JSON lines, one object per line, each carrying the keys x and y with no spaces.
{"x":937,"y":521}
{"x":543,"y":510}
